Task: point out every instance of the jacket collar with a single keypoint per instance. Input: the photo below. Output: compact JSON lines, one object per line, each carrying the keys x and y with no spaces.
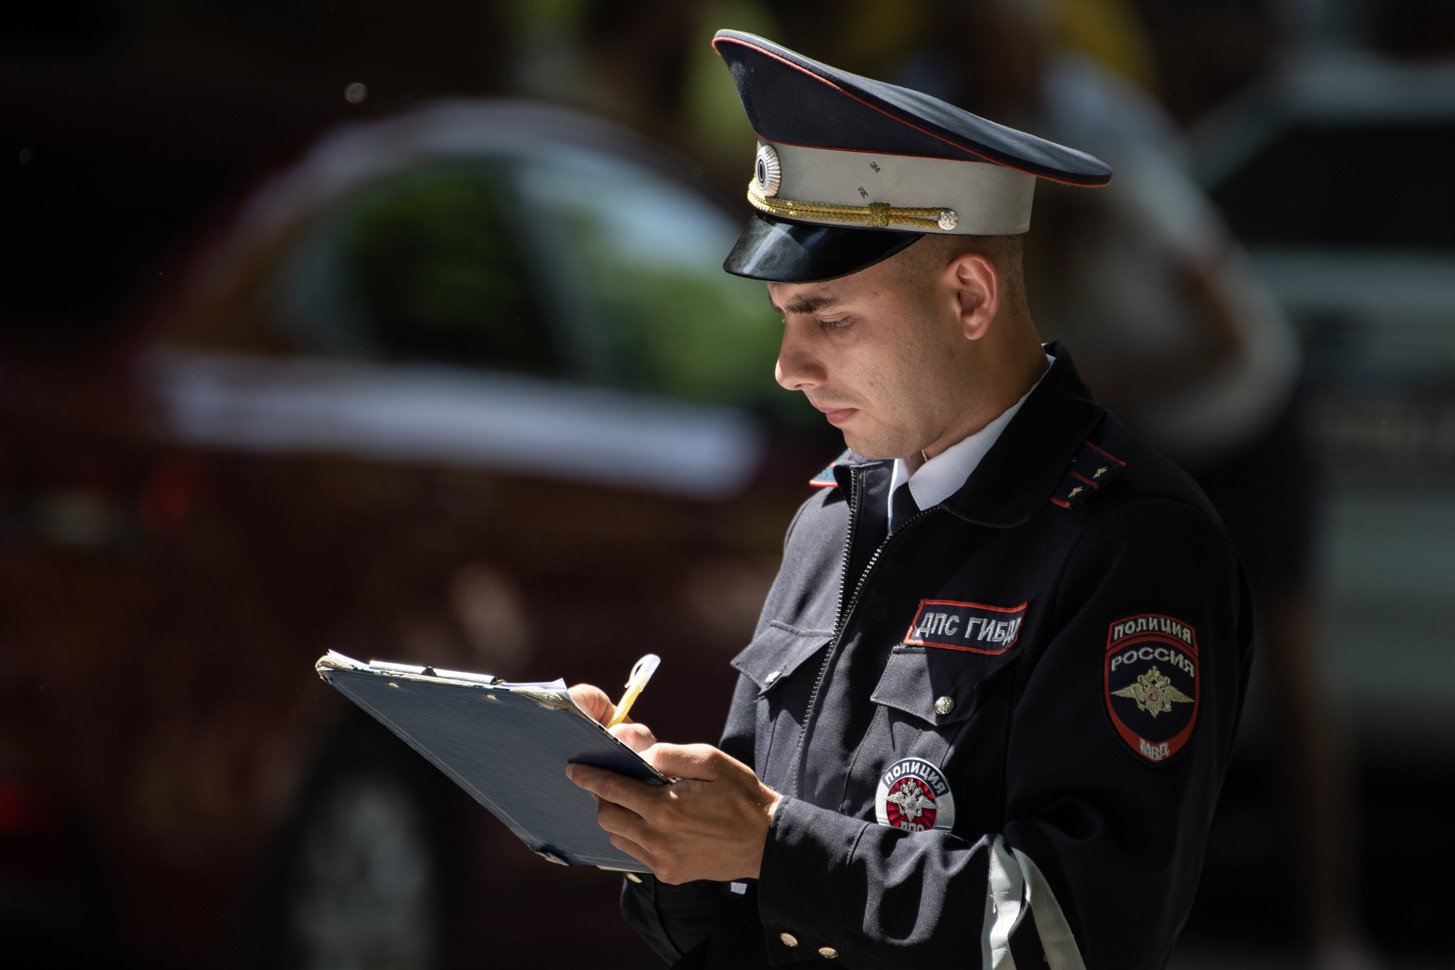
{"x":1021,"y":472}
{"x":1026,"y":465}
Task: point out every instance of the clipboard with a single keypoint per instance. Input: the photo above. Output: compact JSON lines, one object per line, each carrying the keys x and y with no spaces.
{"x":506,"y":744}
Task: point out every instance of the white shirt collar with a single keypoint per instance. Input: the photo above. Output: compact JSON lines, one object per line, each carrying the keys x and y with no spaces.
{"x":942,"y":476}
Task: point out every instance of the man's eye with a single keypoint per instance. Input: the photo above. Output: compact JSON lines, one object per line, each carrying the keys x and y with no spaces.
{"x":838,"y":323}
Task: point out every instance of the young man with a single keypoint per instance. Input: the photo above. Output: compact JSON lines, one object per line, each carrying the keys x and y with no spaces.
{"x":992,"y":695}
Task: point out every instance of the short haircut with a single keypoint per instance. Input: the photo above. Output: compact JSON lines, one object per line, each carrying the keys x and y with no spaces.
{"x":934,"y":251}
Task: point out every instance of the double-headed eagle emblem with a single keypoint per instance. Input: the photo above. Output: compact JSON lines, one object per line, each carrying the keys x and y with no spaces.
{"x":911,"y":801}
{"x":1153,"y":692}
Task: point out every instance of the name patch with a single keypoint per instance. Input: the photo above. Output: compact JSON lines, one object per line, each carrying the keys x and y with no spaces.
{"x":1151,"y":681}
{"x":971,"y":627}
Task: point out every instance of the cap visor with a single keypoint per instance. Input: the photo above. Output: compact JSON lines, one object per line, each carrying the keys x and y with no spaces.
{"x":794,"y":252}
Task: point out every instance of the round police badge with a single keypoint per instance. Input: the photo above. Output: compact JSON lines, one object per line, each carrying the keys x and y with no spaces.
{"x":913,"y":795}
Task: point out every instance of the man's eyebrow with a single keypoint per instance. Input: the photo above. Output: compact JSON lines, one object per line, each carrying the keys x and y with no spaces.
{"x":807,"y":304}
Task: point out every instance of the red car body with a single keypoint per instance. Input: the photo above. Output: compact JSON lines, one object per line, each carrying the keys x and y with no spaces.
{"x":210,"y":500}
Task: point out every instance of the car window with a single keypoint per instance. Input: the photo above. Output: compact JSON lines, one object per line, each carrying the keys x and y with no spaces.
{"x":637,"y":263}
{"x":1368,"y":185}
{"x":423,"y":265}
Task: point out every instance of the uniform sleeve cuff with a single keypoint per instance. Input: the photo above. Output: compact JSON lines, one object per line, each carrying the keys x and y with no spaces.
{"x":671,"y":919}
{"x":802,"y":884}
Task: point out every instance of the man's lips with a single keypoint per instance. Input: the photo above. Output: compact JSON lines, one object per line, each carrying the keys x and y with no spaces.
{"x":835,"y":415}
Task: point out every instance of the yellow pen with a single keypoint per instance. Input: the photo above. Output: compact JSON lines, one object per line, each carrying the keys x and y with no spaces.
{"x":641,"y":673}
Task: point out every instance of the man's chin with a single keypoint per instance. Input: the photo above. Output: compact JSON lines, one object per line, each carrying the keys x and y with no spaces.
{"x":869,"y":448}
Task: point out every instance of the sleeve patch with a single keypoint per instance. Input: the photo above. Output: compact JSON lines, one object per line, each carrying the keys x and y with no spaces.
{"x":1151,"y":683}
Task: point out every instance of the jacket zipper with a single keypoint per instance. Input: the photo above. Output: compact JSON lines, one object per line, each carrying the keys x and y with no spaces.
{"x":795,"y":774}
{"x":841,"y":620}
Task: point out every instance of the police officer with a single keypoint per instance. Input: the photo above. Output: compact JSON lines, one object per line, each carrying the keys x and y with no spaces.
{"x":992,"y":695}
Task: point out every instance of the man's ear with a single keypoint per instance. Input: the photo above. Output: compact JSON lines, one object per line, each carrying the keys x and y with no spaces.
{"x":977,"y":292}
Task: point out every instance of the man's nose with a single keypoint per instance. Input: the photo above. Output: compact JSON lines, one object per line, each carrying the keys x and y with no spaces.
{"x":799,"y":367}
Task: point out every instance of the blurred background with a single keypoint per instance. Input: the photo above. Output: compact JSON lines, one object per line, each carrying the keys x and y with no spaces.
{"x":399,"y":329}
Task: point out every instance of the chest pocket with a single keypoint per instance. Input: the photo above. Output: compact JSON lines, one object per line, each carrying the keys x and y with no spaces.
{"x":783,"y":663}
{"x":938,"y":687}
{"x":777,"y":653}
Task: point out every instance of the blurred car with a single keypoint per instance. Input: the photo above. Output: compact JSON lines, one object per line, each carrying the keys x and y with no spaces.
{"x":464,"y":386}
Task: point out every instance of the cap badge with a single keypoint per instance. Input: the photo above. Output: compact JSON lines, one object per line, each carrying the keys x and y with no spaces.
{"x":913,"y":795}
{"x":768,"y":171}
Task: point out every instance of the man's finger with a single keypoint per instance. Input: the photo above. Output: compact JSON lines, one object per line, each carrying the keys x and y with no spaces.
{"x":616,"y":820}
{"x":700,"y":761}
{"x":638,"y":737}
{"x":594,"y":701}
{"x":612,"y":787}
{"x":631,"y":848}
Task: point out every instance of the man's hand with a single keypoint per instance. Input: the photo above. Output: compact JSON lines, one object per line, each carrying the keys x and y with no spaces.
{"x":711,"y":823}
{"x":598,"y":706}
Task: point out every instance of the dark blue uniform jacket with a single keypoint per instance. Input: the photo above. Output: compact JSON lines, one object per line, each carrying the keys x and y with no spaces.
{"x":1001,"y":730}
